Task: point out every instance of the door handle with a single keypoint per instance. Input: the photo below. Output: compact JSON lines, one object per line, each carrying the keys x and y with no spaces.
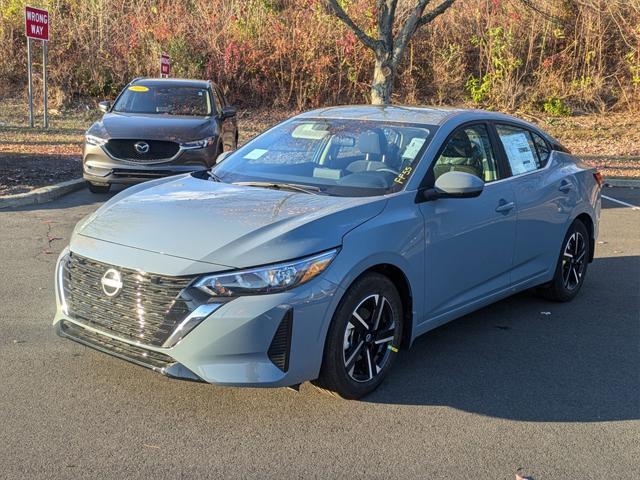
{"x":565,"y":186}
{"x":505,"y":207}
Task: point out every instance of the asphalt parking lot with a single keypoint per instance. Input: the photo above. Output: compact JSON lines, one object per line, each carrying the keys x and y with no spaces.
{"x":552,"y":388}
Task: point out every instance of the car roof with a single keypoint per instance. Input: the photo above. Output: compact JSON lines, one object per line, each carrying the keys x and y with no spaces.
{"x":171,"y":82}
{"x":405,"y":114}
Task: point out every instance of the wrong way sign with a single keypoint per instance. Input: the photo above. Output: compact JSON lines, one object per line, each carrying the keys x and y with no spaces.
{"x":36,"y":23}
{"x":165,"y":65}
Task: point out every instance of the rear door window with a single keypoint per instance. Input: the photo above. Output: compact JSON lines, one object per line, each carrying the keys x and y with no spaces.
{"x":520,"y":149}
{"x":543,"y":149}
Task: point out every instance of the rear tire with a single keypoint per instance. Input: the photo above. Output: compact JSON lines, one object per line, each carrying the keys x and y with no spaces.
{"x":93,"y":188}
{"x":571,"y":268}
{"x":362,"y":338}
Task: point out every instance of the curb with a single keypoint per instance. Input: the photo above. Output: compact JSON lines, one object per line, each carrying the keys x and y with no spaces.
{"x":622,"y":182}
{"x":42,"y":195}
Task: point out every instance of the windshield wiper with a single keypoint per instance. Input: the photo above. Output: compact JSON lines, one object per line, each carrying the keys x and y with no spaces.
{"x":213,"y":176}
{"x":294,"y":187}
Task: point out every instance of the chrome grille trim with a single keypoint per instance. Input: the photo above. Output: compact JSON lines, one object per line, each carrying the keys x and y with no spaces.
{"x":132,"y":353}
{"x":159,"y":151}
{"x":146,"y":311}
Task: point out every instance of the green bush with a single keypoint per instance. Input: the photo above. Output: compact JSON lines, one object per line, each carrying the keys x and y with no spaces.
{"x":555,"y":107}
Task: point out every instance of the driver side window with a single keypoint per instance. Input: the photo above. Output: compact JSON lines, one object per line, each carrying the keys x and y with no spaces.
{"x":468,"y":150}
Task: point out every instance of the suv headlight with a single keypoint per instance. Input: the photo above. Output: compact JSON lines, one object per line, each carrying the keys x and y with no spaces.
{"x":269,"y":279}
{"x":93,"y":140}
{"x":205,"y":142}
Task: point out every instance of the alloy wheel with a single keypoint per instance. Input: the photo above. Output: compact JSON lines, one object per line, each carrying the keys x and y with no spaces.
{"x":574,"y":261}
{"x":368,"y":338}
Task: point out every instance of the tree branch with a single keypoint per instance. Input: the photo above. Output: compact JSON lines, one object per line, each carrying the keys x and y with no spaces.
{"x":543,"y":13}
{"x":407,"y":30}
{"x":341,"y":14}
{"x":386,"y":15}
{"x":439,"y":10}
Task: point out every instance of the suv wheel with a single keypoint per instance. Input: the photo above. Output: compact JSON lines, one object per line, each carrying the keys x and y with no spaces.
{"x":94,"y":188}
{"x":571,"y":268}
{"x":362,"y":338}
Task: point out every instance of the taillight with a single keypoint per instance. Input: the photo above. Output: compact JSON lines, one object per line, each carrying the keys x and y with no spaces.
{"x":598,"y":177}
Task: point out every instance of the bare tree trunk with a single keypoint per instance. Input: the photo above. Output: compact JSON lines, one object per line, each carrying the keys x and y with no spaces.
{"x":389,"y":49}
{"x":383,"y":77}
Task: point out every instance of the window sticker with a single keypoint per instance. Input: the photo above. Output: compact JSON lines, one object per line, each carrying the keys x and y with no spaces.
{"x":413,"y":148}
{"x":138,"y":88}
{"x":519,"y":152}
{"x":255,"y":154}
{"x":403,"y":175}
{"x":310,"y":131}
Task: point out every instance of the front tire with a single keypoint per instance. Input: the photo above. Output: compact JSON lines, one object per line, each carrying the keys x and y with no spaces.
{"x":571,"y":268}
{"x":93,"y":188}
{"x":363,"y":337}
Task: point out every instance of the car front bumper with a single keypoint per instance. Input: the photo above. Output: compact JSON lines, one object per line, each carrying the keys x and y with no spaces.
{"x":272,"y":340}
{"x":100,"y":167}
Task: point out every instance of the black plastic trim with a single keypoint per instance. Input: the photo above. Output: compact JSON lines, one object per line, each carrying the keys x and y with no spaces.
{"x":280,"y":348}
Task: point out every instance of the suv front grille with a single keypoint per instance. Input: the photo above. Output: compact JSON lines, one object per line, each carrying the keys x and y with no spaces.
{"x":147,"y":309}
{"x":126,"y":150}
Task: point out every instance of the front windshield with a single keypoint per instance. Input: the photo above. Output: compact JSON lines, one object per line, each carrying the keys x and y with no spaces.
{"x":170,"y":100}
{"x":337,"y":157}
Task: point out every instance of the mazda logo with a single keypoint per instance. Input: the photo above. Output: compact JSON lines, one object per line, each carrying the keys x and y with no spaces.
{"x":141,"y":147}
{"x":111,"y":282}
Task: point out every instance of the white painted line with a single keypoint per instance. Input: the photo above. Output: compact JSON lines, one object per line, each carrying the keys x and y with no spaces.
{"x":632,"y":207}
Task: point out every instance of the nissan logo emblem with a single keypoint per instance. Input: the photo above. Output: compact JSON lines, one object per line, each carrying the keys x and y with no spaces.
{"x":111,"y":282}
{"x":141,"y":147}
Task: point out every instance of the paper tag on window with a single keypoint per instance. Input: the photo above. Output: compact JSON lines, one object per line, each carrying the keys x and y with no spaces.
{"x":255,"y":154}
{"x":519,"y":152}
{"x":413,"y":148}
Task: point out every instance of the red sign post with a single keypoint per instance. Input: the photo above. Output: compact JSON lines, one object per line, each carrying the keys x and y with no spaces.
{"x":36,"y":22}
{"x":165,"y":65}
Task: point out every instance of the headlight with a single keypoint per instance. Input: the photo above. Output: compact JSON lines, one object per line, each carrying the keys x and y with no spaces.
{"x":269,"y":279}
{"x":93,"y":140}
{"x":205,"y":142}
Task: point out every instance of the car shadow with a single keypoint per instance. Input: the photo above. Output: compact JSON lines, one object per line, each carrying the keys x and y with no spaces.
{"x":529,"y":359}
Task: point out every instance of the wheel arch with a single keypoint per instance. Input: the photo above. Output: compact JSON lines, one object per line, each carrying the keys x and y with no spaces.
{"x":401,"y":282}
{"x":586,"y":219}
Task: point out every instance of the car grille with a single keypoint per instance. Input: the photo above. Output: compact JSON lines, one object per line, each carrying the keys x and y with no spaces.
{"x":147,"y":309}
{"x":132,"y":353}
{"x":126,"y":150}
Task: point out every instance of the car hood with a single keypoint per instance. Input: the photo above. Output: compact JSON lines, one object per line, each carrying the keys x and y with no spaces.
{"x":152,"y":127}
{"x":228,"y":225}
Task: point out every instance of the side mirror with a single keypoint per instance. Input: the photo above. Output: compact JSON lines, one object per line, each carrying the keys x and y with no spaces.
{"x":228,"y":112}
{"x":455,"y":185}
{"x":104,"y":106}
{"x":222,"y":156}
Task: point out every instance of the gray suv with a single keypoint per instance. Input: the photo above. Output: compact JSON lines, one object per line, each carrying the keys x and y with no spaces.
{"x":155,"y":128}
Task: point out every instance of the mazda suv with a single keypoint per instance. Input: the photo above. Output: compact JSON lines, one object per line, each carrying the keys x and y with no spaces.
{"x":156,"y":128}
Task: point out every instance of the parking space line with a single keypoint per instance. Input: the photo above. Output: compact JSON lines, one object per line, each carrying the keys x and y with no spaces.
{"x":632,"y":207}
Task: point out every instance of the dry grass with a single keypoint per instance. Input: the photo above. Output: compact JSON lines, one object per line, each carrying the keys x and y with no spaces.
{"x":610,"y":142}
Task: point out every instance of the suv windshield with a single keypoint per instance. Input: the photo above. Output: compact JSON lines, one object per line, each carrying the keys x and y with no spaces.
{"x":335,"y":157}
{"x":190,"y":101}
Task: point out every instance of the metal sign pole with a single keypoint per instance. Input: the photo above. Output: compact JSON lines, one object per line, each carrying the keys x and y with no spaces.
{"x":44,"y":81}
{"x":30,"y":83}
